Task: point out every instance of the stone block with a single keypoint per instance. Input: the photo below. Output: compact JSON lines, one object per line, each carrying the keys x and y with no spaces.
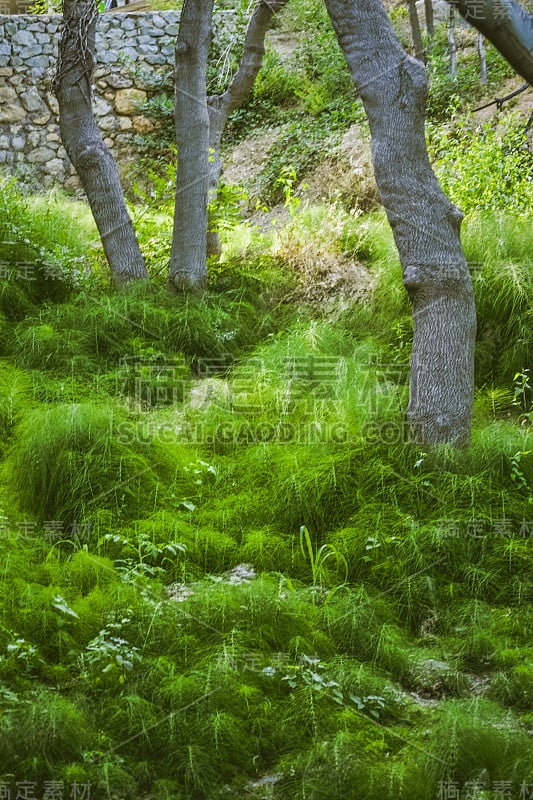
{"x":41,"y":155}
{"x":157,"y":59}
{"x":127,"y":101}
{"x":22,"y":38}
{"x":39,"y":61}
{"x":42,"y":118}
{"x":107,"y":123}
{"x":142,"y":125}
{"x":10,"y":109}
{"x":31,"y":100}
{"x":118,"y":81}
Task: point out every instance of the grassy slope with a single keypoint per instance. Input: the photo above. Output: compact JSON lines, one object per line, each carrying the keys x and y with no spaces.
{"x":382,"y":643}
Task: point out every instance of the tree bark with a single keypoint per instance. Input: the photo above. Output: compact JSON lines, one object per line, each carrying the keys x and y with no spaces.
{"x":507,"y":25}
{"x":221,"y":106}
{"x":428,"y":12}
{"x":452,"y":47}
{"x":482,"y":59}
{"x":188,"y":260}
{"x":425,"y":224}
{"x":415,"y":31}
{"x":85,"y":146}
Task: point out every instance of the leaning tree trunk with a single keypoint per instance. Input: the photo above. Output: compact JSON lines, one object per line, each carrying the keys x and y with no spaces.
{"x":188,"y":260}
{"x":424,"y":222}
{"x":221,"y":106}
{"x":507,"y":25}
{"x":85,"y":146}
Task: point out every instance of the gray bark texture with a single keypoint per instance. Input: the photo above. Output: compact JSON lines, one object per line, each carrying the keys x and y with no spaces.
{"x":452,"y":46}
{"x":507,"y":25}
{"x":416,"y":33}
{"x":428,"y":12}
{"x":425,"y":224}
{"x":482,"y":58}
{"x":188,"y":264}
{"x":85,"y":146}
{"x":221,"y":106}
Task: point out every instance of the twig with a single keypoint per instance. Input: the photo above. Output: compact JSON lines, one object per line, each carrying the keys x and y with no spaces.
{"x":499,"y":101}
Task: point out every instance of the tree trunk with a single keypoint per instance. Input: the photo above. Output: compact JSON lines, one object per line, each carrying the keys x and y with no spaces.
{"x":85,"y":146}
{"x":424,"y":222}
{"x":415,"y":31}
{"x":428,"y":12}
{"x":221,"y":106}
{"x":482,"y":59}
{"x":452,"y":47}
{"x":507,"y":25}
{"x":188,"y":264}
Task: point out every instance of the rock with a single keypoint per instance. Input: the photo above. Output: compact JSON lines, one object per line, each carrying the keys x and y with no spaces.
{"x":41,"y":119}
{"x":72,"y":184}
{"x":147,"y":49}
{"x":56,"y":168}
{"x":142,"y":125}
{"x":41,"y":155}
{"x":107,"y":123}
{"x":23,"y":38}
{"x":39,"y":61}
{"x":127,"y":101}
{"x":118,"y":81}
{"x":31,"y":100}
{"x":10,"y":109}
{"x":101,"y":107}
{"x":157,"y":59}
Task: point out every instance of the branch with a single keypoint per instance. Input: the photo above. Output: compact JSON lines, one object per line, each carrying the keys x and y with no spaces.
{"x":499,"y":101}
{"x":507,"y":25}
{"x":252,"y":58}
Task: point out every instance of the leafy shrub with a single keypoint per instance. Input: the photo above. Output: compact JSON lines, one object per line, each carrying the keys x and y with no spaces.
{"x":485,"y":169}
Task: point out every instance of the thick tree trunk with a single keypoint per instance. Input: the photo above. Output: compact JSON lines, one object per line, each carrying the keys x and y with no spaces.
{"x":415,"y":31}
{"x":507,"y":25}
{"x":425,"y":224}
{"x":85,"y":147}
{"x":221,"y":106}
{"x":188,"y":264}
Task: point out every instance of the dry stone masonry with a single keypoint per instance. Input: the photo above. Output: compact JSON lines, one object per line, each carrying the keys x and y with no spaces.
{"x":132,"y":48}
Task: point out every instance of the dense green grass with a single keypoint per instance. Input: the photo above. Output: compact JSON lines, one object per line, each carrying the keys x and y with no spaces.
{"x":378,"y":644}
{"x":382,"y":644}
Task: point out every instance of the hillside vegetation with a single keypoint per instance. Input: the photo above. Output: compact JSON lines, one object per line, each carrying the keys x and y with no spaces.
{"x":226,"y":571}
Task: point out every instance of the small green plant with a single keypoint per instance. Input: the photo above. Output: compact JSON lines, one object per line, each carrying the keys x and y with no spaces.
{"x":141,"y":556}
{"x":523,"y":396}
{"x":286,"y":181}
{"x":110,"y":655}
{"x":20,"y":657}
{"x":317,"y":559}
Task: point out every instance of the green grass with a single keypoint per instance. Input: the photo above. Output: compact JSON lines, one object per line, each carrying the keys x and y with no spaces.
{"x":150,"y":444}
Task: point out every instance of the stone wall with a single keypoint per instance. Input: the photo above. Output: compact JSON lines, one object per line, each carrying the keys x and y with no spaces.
{"x":131,"y":49}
